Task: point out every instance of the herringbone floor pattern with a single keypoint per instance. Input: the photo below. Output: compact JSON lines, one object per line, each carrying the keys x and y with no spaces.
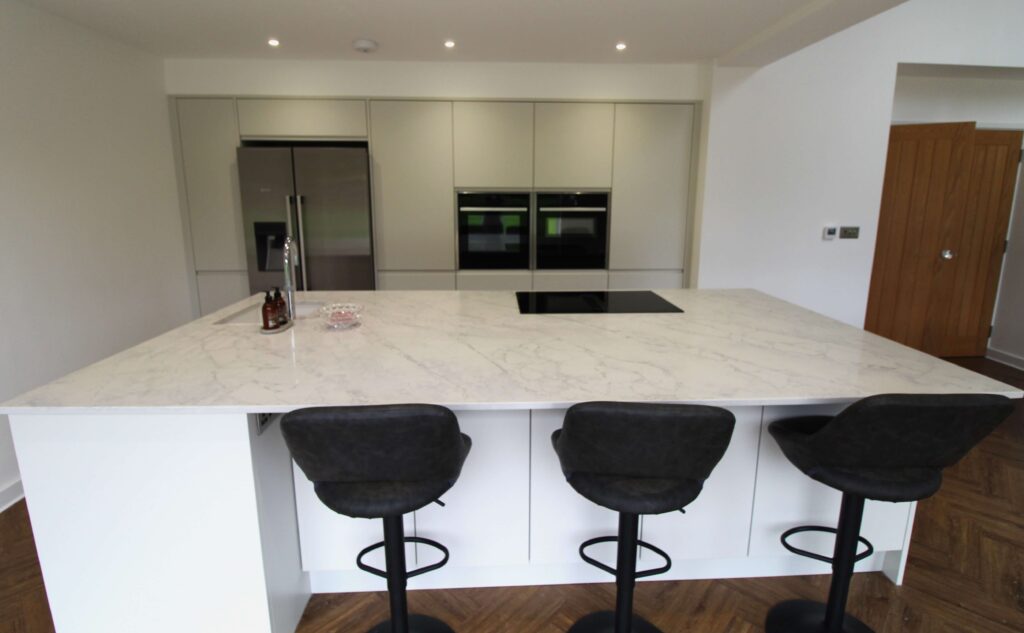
{"x":965,"y":574}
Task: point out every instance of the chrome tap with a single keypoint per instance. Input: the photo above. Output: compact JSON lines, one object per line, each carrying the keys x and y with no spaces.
{"x":289,"y":276}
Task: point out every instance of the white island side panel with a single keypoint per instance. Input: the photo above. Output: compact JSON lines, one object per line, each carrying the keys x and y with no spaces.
{"x":145,"y":523}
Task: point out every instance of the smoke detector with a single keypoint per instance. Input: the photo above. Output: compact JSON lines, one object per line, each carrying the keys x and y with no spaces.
{"x":364,"y":45}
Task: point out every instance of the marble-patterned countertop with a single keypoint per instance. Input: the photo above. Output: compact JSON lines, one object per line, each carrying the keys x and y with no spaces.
{"x":473,"y":350}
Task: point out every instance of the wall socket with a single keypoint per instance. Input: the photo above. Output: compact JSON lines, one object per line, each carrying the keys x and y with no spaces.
{"x":849,"y":232}
{"x":830,"y":232}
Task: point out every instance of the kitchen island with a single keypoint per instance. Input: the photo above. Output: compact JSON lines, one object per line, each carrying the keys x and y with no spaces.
{"x":163,"y":498}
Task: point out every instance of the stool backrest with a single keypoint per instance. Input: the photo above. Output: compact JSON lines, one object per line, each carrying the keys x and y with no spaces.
{"x":908,"y":431}
{"x":671,"y":441}
{"x":407,"y":442}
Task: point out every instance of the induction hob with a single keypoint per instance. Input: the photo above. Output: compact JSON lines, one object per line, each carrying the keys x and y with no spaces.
{"x":619,"y":302}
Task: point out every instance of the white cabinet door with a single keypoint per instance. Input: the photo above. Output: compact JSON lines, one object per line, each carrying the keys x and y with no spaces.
{"x":573,"y":145}
{"x":644,"y":279}
{"x":560,"y":518}
{"x":493,"y":144}
{"x":414,"y":194}
{"x":398,"y":280}
{"x":220,"y":289}
{"x":717,"y":523}
{"x":787,"y":498}
{"x":650,"y":189}
{"x":295,"y":118}
{"x":570,"y":280}
{"x":209,"y":137}
{"x":485,"y":519}
{"x":494,"y":280}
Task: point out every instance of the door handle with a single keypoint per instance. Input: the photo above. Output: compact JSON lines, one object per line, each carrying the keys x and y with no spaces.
{"x":947,"y":254}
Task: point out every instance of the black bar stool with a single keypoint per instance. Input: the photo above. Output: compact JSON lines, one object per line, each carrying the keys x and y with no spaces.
{"x":888,"y":448}
{"x":637,"y":459}
{"x":382,"y":462}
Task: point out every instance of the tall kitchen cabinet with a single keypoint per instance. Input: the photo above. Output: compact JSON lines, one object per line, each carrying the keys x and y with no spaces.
{"x":208,"y":137}
{"x":573,"y":145}
{"x":413,"y":184}
{"x":650,"y":195}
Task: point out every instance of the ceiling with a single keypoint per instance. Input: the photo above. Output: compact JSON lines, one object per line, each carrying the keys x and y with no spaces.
{"x":657,"y":31}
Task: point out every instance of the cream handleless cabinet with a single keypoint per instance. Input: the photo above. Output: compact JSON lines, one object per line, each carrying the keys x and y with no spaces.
{"x":414,"y":207}
{"x":573,"y":145}
{"x":493,"y":144}
{"x":302,"y":118}
{"x":650,"y":188}
{"x":208,"y":132}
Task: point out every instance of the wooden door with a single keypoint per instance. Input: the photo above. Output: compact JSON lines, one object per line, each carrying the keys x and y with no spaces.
{"x":944,"y":216}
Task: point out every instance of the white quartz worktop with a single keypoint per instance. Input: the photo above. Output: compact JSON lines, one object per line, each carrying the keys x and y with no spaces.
{"x":473,"y":350}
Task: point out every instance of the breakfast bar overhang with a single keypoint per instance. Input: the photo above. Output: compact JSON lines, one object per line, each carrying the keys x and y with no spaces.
{"x":163,"y":498}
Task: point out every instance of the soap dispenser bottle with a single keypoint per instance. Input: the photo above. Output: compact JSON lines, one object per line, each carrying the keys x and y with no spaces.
{"x":269,"y":313}
{"x":280,"y":307}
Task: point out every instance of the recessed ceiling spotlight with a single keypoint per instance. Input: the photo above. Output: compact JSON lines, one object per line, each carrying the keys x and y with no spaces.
{"x":621,"y":46}
{"x":274,"y":42}
{"x":449,"y":43}
{"x":364,"y":45}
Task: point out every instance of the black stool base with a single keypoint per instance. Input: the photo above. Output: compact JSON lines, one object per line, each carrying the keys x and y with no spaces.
{"x":604,"y":622}
{"x":805,"y":616}
{"x":417,"y":624}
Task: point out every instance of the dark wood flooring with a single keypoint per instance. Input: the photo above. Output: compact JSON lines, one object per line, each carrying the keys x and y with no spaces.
{"x":965,"y":573}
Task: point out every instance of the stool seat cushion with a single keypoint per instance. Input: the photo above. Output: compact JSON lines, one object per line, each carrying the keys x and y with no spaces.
{"x":376,"y":499}
{"x":373,"y":462}
{"x":885,"y":457}
{"x":636,"y":495}
{"x":641,"y":458}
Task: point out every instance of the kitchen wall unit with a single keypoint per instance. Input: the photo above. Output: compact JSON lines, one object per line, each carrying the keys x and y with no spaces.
{"x":573,"y":145}
{"x":208,"y":132}
{"x":422,"y":151}
{"x":493,"y":144}
{"x":650,"y":186}
{"x":413,"y":280}
{"x":570,"y":280}
{"x":414,"y":199}
{"x":299,"y":118}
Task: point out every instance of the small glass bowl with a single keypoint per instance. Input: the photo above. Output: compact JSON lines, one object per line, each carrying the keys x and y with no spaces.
{"x":341,"y":316}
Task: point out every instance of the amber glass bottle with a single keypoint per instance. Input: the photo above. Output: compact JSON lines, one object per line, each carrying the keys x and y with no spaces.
{"x":281,"y":307}
{"x":269,"y":313}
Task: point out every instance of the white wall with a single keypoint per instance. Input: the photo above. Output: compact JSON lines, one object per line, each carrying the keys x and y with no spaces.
{"x":678,"y":82}
{"x":994,"y":100}
{"x":802,"y":142}
{"x":93,"y":253}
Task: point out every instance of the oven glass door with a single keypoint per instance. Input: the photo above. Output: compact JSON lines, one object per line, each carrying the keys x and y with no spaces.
{"x":492,"y":234}
{"x":572,"y":239}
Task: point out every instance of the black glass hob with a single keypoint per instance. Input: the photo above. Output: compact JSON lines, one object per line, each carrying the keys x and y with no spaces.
{"x":619,"y":302}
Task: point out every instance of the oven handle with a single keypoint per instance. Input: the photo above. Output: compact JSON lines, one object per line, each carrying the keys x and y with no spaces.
{"x":583,"y":209}
{"x":494,"y":209}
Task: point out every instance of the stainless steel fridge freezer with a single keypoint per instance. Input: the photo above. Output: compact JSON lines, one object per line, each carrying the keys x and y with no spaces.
{"x":320,"y":196}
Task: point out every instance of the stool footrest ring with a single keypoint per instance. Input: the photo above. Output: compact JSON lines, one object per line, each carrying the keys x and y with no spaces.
{"x":409,"y":574}
{"x":611,"y":570}
{"x":820,"y":528}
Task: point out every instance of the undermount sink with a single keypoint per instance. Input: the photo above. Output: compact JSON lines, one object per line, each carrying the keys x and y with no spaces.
{"x":252,"y":316}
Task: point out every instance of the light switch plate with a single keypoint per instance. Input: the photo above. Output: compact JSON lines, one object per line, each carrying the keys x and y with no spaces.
{"x":829,"y":233}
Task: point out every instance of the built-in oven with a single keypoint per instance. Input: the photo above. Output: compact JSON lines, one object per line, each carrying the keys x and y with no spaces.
{"x":494,"y":230}
{"x":572,"y":230}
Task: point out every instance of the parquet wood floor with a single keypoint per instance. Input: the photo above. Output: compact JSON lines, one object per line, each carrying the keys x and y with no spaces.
{"x":965,"y":573}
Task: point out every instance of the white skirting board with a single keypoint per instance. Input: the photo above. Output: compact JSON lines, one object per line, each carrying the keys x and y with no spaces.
{"x":11,"y":494}
{"x":1006,"y":358}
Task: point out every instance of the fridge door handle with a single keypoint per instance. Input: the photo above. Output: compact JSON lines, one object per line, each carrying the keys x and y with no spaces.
{"x":302,"y":242}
